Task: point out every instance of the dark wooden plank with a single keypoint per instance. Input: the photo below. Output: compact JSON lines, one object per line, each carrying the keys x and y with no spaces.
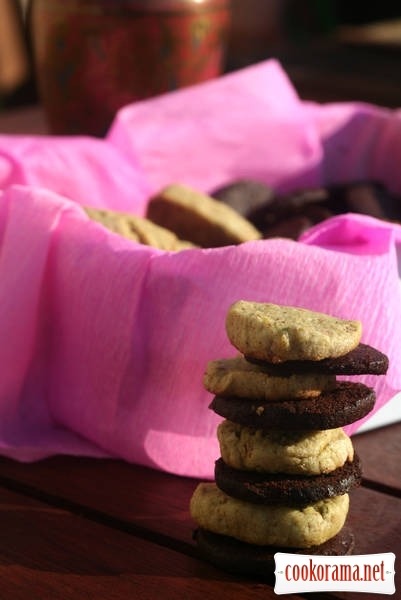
{"x":50,"y":554}
{"x":376,"y":521}
{"x":145,"y":498}
{"x":158,"y":503}
{"x":380,"y":452}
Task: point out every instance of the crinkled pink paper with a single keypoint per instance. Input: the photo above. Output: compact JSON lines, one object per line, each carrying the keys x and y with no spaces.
{"x":103,"y":342}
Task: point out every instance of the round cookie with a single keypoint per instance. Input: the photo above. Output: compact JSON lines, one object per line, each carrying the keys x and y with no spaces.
{"x":238,"y":377}
{"x":275,"y":525}
{"x":363,"y":360}
{"x":238,"y":557}
{"x":199,"y":218}
{"x":290,"y":452}
{"x":345,"y":403}
{"x":137,"y":229}
{"x":291,"y":490}
{"x":279,"y":333}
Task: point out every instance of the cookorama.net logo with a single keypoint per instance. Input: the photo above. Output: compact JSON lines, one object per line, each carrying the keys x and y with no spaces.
{"x":371,"y":573}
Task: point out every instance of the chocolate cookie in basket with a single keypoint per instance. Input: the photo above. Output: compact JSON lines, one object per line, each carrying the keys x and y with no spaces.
{"x":289,"y":215}
{"x":286,"y":468}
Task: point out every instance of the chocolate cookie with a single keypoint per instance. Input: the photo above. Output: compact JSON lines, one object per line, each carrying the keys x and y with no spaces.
{"x":365,"y":197}
{"x":245,"y":196}
{"x":345,"y":403}
{"x":238,"y":557}
{"x":291,"y":490}
{"x":363,"y":360}
{"x":282,"y":215}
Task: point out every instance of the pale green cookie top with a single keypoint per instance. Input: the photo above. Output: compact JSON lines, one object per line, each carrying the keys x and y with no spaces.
{"x":242,"y":379}
{"x":264,"y":525}
{"x":291,"y":452}
{"x":279,"y":333}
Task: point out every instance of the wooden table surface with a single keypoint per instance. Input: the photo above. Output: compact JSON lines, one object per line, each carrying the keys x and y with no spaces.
{"x":75,"y":528}
{"x":79,"y":528}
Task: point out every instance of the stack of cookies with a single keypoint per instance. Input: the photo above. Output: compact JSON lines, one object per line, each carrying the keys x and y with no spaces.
{"x":286,"y":465}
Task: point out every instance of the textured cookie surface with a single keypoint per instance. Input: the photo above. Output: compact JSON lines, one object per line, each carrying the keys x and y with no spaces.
{"x":137,"y":229}
{"x":240,"y":378}
{"x":199,"y":218}
{"x":237,"y":557}
{"x":363,"y":360}
{"x":291,"y":452}
{"x":344,"y":404}
{"x":289,"y":490}
{"x":279,"y":333}
{"x":263,"y":525}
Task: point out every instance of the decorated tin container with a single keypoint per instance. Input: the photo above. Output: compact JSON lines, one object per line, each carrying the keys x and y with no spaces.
{"x":94,"y":56}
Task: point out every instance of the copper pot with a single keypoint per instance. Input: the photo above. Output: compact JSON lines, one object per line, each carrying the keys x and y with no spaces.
{"x":94,"y":56}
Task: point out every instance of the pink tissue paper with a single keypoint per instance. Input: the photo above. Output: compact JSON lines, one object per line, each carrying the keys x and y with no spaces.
{"x":104,"y":342}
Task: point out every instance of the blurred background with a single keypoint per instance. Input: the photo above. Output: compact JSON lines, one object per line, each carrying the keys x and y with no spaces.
{"x":331,"y":49}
